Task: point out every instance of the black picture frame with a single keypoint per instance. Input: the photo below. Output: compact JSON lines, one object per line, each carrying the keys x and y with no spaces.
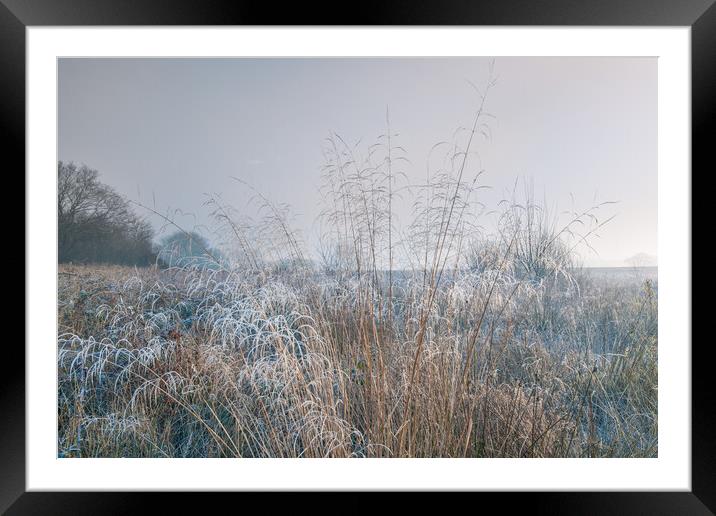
{"x":700,"y":15}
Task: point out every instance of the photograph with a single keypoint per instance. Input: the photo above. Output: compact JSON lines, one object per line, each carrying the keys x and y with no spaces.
{"x":425,"y":247}
{"x":357,"y":257}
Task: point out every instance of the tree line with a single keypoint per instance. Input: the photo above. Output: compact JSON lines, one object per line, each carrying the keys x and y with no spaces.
{"x":97,"y":225}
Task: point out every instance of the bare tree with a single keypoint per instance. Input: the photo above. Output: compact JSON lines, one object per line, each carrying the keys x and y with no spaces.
{"x":95,"y":223}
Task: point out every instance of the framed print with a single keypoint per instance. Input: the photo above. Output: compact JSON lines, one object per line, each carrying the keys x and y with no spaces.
{"x":444,"y":247}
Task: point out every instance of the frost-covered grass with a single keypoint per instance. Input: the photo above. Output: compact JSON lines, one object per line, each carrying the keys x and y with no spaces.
{"x":206,"y":363}
{"x":422,"y":337}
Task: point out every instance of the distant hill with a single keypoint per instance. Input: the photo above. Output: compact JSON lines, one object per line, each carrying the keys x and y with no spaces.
{"x":641,"y":260}
{"x":637,"y":260}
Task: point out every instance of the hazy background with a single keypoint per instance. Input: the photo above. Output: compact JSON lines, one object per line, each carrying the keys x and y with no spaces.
{"x":166,"y":131}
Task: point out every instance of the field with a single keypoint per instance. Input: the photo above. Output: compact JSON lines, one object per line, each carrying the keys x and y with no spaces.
{"x":420,"y":323}
{"x":299,"y":362}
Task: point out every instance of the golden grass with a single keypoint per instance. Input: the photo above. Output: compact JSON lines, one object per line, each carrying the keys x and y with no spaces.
{"x":200,"y":363}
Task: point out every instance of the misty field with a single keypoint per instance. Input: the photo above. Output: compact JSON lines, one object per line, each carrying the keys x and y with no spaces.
{"x":457,"y":331}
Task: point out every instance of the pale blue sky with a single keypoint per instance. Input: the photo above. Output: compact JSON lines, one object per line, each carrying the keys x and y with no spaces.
{"x":177,"y":128}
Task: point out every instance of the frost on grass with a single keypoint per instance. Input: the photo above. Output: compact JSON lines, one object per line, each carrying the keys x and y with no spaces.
{"x":204,"y":365}
{"x":427,"y":338}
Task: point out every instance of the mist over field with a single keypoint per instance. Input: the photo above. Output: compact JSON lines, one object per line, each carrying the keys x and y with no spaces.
{"x":239,"y":278}
{"x":170,"y":132}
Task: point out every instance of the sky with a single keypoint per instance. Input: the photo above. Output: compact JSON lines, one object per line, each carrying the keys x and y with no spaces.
{"x":168,"y":131}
